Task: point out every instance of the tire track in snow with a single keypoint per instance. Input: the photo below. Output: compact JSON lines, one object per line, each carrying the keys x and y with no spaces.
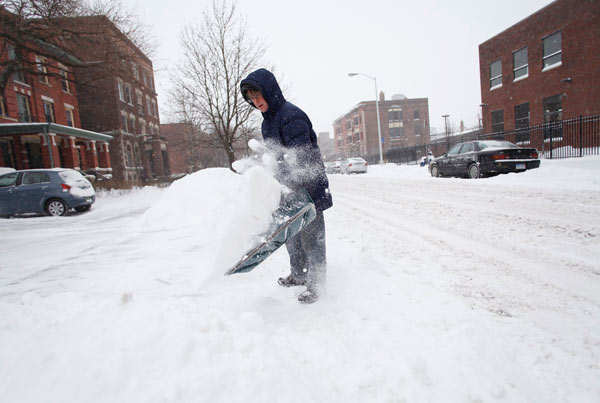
{"x":466,"y":259}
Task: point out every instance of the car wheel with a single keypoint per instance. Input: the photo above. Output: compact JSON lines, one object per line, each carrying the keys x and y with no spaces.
{"x":56,"y":207}
{"x":434,"y":171}
{"x":474,"y":171}
{"x":82,"y":209}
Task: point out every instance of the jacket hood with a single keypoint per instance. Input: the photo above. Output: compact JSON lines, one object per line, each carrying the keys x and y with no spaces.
{"x":266,"y":83}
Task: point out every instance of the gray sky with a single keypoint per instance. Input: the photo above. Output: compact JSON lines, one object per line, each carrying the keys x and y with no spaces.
{"x":422,"y":49}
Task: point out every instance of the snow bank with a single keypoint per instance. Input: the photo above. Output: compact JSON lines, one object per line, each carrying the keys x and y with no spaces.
{"x":572,"y":173}
{"x":215,"y":211}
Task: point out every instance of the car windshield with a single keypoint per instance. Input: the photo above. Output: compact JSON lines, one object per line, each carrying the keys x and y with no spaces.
{"x":491,"y":144}
{"x":357,"y":160}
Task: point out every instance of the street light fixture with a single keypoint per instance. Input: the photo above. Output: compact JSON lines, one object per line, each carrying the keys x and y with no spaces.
{"x":376,"y":107}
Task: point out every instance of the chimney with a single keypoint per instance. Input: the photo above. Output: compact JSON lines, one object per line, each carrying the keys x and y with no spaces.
{"x":381,"y":96}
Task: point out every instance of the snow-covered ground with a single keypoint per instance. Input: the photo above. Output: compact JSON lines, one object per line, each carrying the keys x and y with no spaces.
{"x":439,"y":290}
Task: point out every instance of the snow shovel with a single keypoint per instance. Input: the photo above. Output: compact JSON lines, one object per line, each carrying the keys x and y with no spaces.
{"x":296,"y":210}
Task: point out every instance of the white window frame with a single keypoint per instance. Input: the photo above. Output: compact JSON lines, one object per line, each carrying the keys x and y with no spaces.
{"x":517,"y":69}
{"x":45,"y":101}
{"x":40,"y":63}
{"x":63,"y":72}
{"x":121,"y":91}
{"x":27,"y":104}
{"x":499,"y":76}
{"x":545,"y":57}
{"x":70,"y":111}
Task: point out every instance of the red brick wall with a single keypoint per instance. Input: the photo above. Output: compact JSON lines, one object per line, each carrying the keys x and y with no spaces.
{"x":579,"y":23}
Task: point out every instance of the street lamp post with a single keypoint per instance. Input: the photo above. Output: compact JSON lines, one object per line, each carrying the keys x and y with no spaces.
{"x":376,"y":107}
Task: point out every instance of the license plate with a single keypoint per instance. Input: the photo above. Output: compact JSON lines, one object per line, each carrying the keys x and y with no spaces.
{"x":520,"y":166}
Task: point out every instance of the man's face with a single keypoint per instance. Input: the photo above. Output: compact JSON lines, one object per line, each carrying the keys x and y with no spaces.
{"x":258,"y":101}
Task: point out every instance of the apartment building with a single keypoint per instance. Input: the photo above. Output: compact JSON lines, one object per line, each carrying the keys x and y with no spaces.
{"x":404,"y":123}
{"x":119,"y":98}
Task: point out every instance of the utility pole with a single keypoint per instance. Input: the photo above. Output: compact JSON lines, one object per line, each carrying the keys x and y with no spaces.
{"x":446,"y":129}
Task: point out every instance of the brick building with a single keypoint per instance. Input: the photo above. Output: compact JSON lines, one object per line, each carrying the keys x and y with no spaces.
{"x":39,"y":115}
{"x":119,"y":99}
{"x":404,"y":123}
{"x":544,"y":68}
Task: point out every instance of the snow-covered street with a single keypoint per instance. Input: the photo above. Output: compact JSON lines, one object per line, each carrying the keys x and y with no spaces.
{"x":439,"y":290}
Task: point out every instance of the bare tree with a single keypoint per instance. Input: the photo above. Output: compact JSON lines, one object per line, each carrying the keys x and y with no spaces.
{"x":49,"y":28}
{"x":219,"y":53}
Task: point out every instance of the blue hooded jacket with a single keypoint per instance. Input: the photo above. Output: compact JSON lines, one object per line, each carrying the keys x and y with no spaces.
{"x":288,"y":133}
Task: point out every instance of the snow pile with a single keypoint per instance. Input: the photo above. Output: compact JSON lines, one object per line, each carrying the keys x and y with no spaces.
{"x":215,"y":211}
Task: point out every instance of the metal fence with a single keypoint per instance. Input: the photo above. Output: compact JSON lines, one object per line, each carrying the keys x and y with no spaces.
{"x":560,"y":139}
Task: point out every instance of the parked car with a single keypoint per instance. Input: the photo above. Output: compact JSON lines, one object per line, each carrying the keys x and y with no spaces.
{"x":474,"y":159}
{"x":50,"y":191}
{"x":353,"y":165}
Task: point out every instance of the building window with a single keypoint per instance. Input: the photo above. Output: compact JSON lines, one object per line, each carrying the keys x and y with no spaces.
{"x":498,"y":121}
{"x":522,"y":116}
{"x":552,"y":50}
{"x":121,"y":92}
{"x":69,"y":114}
{"x":355,"y":120}
{"x":139,"y":99}
{"x":496,"y":74}
{"x":2,"y":106}
{"x":134,"y":69}
{"x":132,"y":127}
{"x":148,"y":106}
{"x":64,"y":78}
{"x":12,"y":55}
{"x":521,"y":67}
{"x":24,"y":110}
{"x":124,"y":122}
{"x":417,"y":114}
{"x":128,"y":94}
{"x":136,"y":155}
{"x":396,"y":132}
{"x":394,"y":114}
{"x":418,"y":130}
{"x":128,"y":155}
{"x":154,"y":108}
{"x":40,"y":64}
{"x":553,"y":108}
{"x":49,"y":111}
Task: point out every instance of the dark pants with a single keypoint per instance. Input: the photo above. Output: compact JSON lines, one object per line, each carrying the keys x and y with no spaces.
{"x":307,"y":253}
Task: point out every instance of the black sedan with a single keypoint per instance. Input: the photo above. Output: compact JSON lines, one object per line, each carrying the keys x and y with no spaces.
{"x":474,"y":159}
